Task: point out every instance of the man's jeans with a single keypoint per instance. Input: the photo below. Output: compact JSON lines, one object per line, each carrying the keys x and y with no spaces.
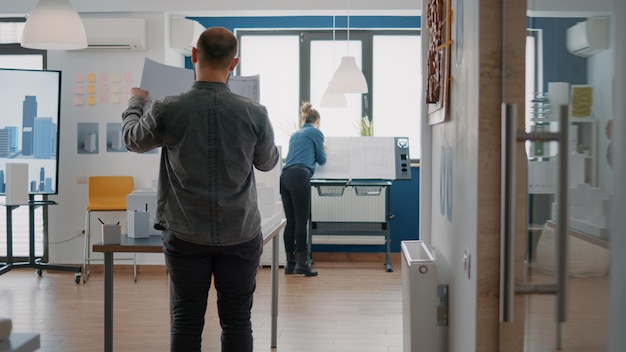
{"x":190,"y":268}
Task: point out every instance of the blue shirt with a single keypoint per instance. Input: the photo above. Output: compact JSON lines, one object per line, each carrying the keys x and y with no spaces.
{"x":306,"y":147}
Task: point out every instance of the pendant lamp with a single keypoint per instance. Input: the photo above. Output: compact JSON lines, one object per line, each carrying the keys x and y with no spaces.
{"x":54,"y":25}
{"x":331,"y":99}
{"x":348,"y":78}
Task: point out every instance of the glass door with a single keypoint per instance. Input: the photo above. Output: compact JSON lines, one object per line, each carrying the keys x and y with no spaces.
{"x":570,"y":72}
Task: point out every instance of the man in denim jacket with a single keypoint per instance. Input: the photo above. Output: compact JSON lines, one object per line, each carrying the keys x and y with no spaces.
{"x":211,"y":140}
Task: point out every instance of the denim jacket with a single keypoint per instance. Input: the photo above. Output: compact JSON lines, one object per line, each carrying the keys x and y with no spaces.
{"x":211,"y":139}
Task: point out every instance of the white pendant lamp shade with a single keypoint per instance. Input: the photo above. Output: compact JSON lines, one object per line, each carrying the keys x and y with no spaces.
{"x":332,"y":99}
{"x":54,"y":25}
{"x":348,"y":78}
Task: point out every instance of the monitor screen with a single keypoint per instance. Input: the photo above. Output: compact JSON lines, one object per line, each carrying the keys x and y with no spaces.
{"x":29,"y":126}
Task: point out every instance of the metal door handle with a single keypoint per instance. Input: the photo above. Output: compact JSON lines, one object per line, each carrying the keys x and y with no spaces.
{"x":510,"y":136}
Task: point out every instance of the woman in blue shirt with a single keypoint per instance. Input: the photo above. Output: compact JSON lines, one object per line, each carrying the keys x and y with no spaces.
{"x":306,"y":148}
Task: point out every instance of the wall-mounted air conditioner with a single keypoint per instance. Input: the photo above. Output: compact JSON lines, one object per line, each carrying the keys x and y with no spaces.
{"x":115,"y":34}
{"x":588,"y":37}
{"x":184,"y":34}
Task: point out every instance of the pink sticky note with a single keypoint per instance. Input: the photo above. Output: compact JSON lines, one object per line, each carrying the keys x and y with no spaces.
{"x":104,"y":77}
{"x":128,"y":77}
{"x":78,"y":78}
{"x":104,"y":88}
{"x":104,"y":98}
{"x":78,"y":89}
{"x":78,"y":100}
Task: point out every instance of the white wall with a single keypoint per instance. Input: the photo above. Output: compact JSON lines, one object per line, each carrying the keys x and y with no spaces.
{"x":67,"y":218}
{"x":460,"y":136}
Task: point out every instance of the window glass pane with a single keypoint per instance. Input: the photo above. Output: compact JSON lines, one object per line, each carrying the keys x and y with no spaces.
{"x":11,"y":32}
{"x":325,"y":58}
{"x":397,"y":88}
{"x":276,"y":59}
{"x":34,"y":62}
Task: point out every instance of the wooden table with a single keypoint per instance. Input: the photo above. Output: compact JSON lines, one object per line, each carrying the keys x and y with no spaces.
{"x":20,"y":342}
{"x":154,"y":244}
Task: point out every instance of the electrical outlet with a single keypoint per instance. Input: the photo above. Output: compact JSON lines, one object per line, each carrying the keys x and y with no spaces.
{"x":467,"y":261}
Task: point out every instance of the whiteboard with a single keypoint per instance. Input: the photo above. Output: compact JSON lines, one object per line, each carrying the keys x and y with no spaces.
{"x":358,"y":158}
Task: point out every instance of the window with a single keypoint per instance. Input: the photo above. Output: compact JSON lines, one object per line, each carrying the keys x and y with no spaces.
{"x":300,"y":64}
{"x":12,"y":55}
{"x":279,"y":72}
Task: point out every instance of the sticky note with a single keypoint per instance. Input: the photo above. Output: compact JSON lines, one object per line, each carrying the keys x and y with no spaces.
{"x":91,"y":89}
{"x":115,"y":77}
{"x":78,"y":89}
{"x":91,"y":77}
{"x":91,"y":100}
{"x":78,"y":100}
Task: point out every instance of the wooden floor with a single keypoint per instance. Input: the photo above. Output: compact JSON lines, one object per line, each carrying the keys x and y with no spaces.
{"x":586,"y":328}
{"x":351,"y":306}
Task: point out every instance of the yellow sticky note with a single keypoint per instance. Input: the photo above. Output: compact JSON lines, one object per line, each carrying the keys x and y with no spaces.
{"x":115,"y":88}
{"x":91,"y":100}
{"x":115,"y":98}
{"x":115,"y":77}
{"x":91,"y":89}
{"x":91,"y":77}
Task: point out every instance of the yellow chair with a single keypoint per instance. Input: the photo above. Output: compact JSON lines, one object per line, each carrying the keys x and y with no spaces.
{"x":106,"y":193}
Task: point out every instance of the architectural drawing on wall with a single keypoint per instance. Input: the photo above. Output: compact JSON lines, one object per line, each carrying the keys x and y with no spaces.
{"x":87,"y":138}
{"x":114,"y":138}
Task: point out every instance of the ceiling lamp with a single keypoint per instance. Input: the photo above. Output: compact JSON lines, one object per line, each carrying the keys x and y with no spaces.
{"x":332,"y":99}
{"x":54,"y":25}
{"x":348,"y":78}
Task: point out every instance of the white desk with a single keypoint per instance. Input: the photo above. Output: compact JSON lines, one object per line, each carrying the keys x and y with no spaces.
{"x":20,"y":342}
{"x":154,"y":244}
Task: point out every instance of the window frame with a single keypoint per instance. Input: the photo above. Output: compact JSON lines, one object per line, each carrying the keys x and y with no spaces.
{"x":366,"y":36}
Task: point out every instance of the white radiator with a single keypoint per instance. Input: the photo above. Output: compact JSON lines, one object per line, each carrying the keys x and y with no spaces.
{"x":419,"y":298}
